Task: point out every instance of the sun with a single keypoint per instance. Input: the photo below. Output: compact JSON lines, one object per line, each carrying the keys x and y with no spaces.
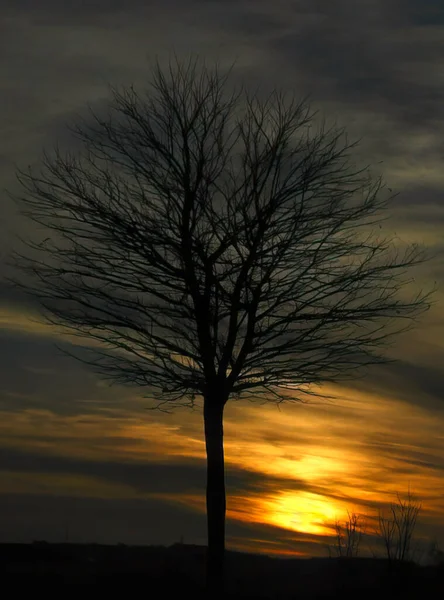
{"x":303,"y":511}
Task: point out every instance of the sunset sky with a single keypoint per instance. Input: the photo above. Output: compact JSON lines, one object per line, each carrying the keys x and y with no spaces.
{"x":84,"y":462}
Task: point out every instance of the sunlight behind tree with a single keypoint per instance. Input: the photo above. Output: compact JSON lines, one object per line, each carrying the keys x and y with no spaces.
{"x":225,"y":229}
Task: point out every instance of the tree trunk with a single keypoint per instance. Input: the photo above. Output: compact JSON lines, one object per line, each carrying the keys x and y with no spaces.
{"x":216,"y":504}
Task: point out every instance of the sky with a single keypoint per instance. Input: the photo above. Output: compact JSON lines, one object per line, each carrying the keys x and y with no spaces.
{"x":85,"y":462}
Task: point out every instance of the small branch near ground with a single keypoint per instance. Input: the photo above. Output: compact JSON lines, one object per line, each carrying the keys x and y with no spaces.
{"x":396,"y":530}
{"x":349,"y":536}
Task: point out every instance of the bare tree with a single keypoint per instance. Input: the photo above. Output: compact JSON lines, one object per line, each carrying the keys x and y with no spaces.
{"x":349,"y":535}
{"x":215,"y":244}
{"x":396,"y":530}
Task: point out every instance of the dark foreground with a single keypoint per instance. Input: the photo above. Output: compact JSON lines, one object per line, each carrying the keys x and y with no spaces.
{"x":178,"y":571}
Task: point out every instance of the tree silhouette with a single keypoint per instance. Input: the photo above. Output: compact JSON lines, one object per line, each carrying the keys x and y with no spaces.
{"x":215,"y":244}
{"x":396,"y":530}
{"x":349,"y":536}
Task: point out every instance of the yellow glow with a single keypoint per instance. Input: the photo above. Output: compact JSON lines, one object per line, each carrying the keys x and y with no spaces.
{"x":363,"y":448}
{"x":303,"y":512}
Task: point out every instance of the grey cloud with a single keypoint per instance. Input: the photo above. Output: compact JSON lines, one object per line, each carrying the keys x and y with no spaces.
{"x":170,"y":478}
{"x":146,"y":477}
{"x":35,"y":374}
{"x":12,"y":296}
{"x":362,"y":56}
{"x":74,"y":12}
{"x":416,"y":384}
{"x":19,"y":353}
{"x":425,"y":198}
{"x":251,"y":19}
{"x":425,"y":13}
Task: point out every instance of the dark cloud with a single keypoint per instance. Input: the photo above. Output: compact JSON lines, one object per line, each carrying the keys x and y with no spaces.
{"x":429,"y":13}
{"x":74,"y":12}
{"x":412,"y":383}
{"x":357,"y":55}
{"x":35,"y":373}
{"x":12,"y":296}
{"x":144,"y":477}
{"x":425,"y":198}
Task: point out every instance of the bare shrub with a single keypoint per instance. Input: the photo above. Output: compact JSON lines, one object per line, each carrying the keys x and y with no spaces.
{"x":397,"y":528}
{"x":349,"y":535}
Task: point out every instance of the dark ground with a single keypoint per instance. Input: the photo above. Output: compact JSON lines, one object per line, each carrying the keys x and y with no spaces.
{"x":178,"y":571}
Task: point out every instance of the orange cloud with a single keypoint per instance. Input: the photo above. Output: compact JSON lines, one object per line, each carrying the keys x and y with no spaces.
{"x":314,"y":461}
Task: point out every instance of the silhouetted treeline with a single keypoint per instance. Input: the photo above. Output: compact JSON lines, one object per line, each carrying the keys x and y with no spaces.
{"x":180,"y":569}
